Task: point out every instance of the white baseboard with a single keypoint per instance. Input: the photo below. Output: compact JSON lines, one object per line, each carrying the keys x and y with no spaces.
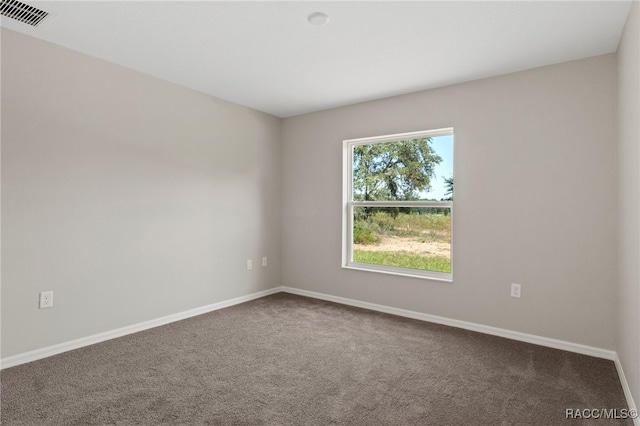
{"x":107,"y":335}
{"x":501,"y":332}
{"x":625,"y":387}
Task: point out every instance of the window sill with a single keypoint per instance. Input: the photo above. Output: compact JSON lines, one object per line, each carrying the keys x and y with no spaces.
{"x":403,"y":272}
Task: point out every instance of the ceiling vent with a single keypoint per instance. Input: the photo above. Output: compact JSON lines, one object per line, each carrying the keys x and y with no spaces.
{"x":22,"y":12}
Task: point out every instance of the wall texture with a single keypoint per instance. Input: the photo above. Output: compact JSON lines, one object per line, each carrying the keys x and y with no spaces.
{"x":628,"y":324}
{"x":535,"y":174}
{"x":130,"y":197}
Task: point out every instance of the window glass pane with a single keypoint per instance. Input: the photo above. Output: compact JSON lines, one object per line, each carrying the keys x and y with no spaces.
{"x":410,"y":169}
{"x":406,"y":237}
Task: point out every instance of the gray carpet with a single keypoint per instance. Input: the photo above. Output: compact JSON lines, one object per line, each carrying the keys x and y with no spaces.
{"x":290,"y":360}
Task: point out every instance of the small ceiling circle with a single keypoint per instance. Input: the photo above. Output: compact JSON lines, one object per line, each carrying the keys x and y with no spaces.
{"x":318,"y":18}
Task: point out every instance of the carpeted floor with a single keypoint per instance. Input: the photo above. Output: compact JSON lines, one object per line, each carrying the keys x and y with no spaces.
{"x":290,"y":360}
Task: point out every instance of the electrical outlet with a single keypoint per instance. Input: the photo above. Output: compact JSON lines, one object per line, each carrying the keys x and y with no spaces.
{"x":46,"y":299}
{"x":516,"y":291}
{"x":264,"y":261}
{"x":249,"y":265}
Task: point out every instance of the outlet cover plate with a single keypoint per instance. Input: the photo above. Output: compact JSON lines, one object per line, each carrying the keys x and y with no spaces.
{"x":46,"y":299}
{"x":516,"y":290}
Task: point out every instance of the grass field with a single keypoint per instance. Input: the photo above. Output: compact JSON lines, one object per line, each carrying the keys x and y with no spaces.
{"x":403,"y":260}
{"x":406,"y":240}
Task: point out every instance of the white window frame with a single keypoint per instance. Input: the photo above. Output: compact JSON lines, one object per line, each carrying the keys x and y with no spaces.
{"x":348,"y":205}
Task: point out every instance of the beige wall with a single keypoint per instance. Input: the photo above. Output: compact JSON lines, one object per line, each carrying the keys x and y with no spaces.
{"x":130,"y":197}
{"x":133,"y":198}
{"x":535,"y":202}
{"x":628,"y":324}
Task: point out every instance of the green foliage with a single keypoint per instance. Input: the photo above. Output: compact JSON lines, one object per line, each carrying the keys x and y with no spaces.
{"x":386,"y":222}
{"x":420,"y":222}
{"x":362,"y":233}
{"x":448,"y":182}
{"x":403,"y":260}
{"x":429,"y":226}
{"x":397,"y":170}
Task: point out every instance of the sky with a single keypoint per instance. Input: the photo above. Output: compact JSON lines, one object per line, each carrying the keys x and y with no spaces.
{"x":443,"y":145}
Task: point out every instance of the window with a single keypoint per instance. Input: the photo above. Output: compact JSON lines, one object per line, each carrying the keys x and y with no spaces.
{"x":398,"y":203}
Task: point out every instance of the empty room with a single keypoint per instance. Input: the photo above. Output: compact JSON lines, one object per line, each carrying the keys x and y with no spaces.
{"x":313,"y":213}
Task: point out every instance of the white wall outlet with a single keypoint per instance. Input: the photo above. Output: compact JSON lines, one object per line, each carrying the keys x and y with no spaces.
{"x":516,"y":291}
{"x":46,"y":299}
{"x":249,"y":265}
{"x":264,"y":261}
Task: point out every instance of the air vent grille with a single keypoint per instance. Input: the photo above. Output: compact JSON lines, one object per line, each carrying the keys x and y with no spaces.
{"x":22,"y":12}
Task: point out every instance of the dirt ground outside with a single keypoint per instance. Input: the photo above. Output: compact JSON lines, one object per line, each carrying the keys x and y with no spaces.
{"x":409,"y":244}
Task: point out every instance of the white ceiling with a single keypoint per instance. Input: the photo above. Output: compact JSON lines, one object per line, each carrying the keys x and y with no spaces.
{"x":265,"y":55}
